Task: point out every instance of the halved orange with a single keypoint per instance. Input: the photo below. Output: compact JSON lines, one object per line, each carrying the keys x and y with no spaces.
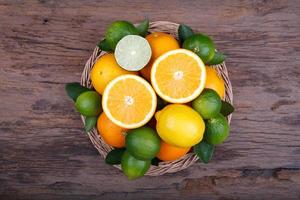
{"x":178,"y":76}
{"x":129,"y":101}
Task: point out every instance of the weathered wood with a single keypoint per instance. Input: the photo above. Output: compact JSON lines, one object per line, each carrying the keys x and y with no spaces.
{"x":45,"y":153}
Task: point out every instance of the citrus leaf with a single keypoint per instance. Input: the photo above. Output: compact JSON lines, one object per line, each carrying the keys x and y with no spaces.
{"x":204,"y":151}
{"x":155,"y":161}
{"x":90,"y":122}
{"x":226,"y":108}
{"x":114,"y":157}
{"x":217,"y":59}
{"x":104,"y":46}
{"x":75,"y":89}
{"x":161,"y":103}
{"x":142,"y":28}
{"x":184,"y":32}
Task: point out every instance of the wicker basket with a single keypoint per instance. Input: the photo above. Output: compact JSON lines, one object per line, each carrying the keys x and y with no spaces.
{"x":164,"y":167}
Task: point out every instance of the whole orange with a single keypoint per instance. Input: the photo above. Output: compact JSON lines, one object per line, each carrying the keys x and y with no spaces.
{"x":160,"y":43}
{"x":104,"y":70}
{"x":169,"y":152}
{"x":111,"y":133}
{"x":214,"y":81}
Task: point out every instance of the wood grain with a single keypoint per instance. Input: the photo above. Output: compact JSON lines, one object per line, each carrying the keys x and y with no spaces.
{"x":45,"y":153}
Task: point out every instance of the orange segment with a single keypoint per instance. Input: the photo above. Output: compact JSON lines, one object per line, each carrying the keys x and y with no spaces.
{"x":160,"y":43}
{"x":129,"y":101}
{"x":178,"y":76}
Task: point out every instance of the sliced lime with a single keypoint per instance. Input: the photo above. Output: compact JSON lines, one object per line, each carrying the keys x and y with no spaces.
{"x":133,"y":52}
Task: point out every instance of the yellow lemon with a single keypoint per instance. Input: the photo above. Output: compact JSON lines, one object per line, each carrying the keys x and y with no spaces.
{"x":179,"y":125}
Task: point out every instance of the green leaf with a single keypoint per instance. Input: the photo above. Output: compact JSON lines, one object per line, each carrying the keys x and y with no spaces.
{"x":226,"y":108}
{"x":114,"y":157}
{"x":204,"y":151}
{"x":155,"y":161}
{"x":90,"y":122}
{"x":184,"y":32}
{"x":75,"y":89}
{"x":161,"y":103}
{"x":217,"y":59}
{"x":104,"y":46}
{"x":142,"y":28}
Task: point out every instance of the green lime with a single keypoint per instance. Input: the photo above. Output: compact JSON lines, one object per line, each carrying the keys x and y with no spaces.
{"x":117,"y":30}
{"x":216,"y":130}
{"x":208,"y":104}
{"x":132,"y":167}
{"x":133,"y":52}
{"x":143,"y":143}
{"x":201,"y":45}
{"x":89,"y":104}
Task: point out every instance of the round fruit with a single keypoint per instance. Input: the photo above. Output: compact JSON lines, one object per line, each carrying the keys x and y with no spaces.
{"x":217,"y":130}
{"x":202,"y":45}
{"x":160,"y":43}
{"x":146,"y":71}
{"x":214,"y":81}
{"x":129,"y":101}
{"x":178,"y":76}
{"x":117,"y":30}
{"x":89,"y":104}
{"x":208,"y":104}
{"x":169,"y":152}
{"x":111,"y":133}
{"x":104,"y":70}
{"x":132,"y":167}
{"x":143,"y":143}
{"x":179,"y":125}
{"x":133,"y":52}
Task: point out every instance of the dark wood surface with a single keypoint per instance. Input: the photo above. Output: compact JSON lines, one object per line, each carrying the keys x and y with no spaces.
{"x":44,"y":152}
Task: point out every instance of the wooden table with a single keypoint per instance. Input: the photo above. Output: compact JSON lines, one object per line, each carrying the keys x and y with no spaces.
{"x":44,"y":152}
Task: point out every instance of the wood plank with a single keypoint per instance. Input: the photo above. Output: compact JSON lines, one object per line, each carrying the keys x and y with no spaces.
{"x":44,"y":152}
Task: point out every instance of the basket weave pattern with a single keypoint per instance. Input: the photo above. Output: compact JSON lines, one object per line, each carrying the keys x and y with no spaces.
{"x":164,"y":167}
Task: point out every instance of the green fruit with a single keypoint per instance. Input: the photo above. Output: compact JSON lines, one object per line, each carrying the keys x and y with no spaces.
{"x":117,"y":30}
{"x":142,"y":28}
{"x":89,"y":104}
{"x":114,"y":157}
{"x":204,"y":151}
{"x":75,"y":89}
{"x":201,"y":45}
{"x":216,"y":130}
{"x":133,"y":52}
{"x":208,"y":104}
{"x":184,"y":32}
{"x":143,"y":143}
{"x":132,"y":167}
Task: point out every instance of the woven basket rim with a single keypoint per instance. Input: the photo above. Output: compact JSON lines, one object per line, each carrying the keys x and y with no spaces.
{"x":163,"y":167}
